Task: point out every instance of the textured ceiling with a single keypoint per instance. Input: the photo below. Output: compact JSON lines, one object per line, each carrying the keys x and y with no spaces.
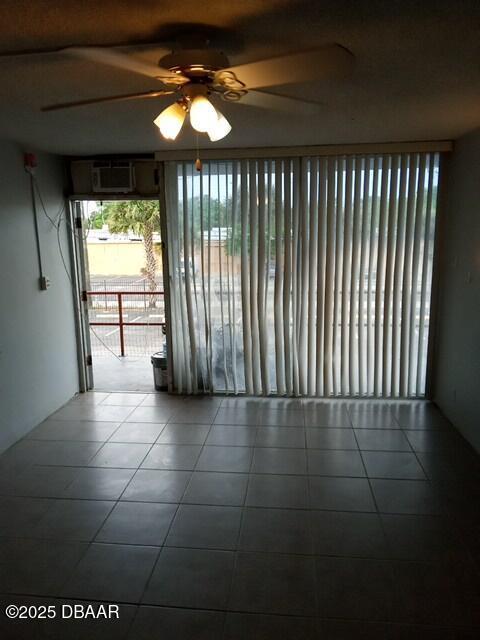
{"x":417,"y":73}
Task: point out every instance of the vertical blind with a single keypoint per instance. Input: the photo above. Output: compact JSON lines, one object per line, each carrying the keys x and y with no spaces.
{"x":302,"y":276}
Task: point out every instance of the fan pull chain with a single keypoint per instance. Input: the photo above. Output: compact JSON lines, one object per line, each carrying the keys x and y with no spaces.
{"x":198,"y":162}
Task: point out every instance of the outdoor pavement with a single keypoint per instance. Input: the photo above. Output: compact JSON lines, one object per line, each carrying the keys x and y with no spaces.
{"x":130,"y":373}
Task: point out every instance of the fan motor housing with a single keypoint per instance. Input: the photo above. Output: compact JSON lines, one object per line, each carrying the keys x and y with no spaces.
{"x":195,"y":63}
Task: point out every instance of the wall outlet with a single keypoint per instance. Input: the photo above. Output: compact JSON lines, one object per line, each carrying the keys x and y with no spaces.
{"x":44,"y":283}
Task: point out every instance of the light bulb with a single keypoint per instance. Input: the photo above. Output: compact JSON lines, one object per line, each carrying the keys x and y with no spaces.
{"x":203,"y":114}
{"x":170,"y":121}
{"x":221,"y":128}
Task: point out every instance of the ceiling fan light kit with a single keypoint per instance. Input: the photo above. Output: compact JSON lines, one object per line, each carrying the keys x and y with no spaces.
{"x":170,"y":120}
{"x":221,"y":129}
{"x":193,"y":75}
{"x":204,"y":118}
{"x":203,"y":114}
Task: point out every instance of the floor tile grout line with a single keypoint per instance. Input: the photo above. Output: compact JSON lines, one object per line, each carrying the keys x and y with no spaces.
{"x":368,"y":479}
{"x":213,"y":504}
{"x":452,"y":514}
{"x":164,"y":540}
{"x":382,"y":527}
{"x":394,"y":624}
{"x":109,"y":467}
{"x":139,"y":467}
{"x":89,"y":419}
{"x":131,"y":623}
{"x":378,"y":514}
{"x":76,"y":564}
{"x":427,"y":561}
{"x":383,"y":621}
{"x":255,"y":445}
{"x":237,"y":545}
{"x":312,"y":540}
{"x":252,"y":507}
{"x":104,"y":521}
{"x":111,"y":436}
{"x":129,"y":414}
{"x":200,"y":452}
{"x":150,"y":424}
{"x":92,"y":541}
{"x":177,"y":607}
{"x":182,"y":443}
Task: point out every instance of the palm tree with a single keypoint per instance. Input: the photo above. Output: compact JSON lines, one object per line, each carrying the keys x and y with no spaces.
{"x":142,"y":217}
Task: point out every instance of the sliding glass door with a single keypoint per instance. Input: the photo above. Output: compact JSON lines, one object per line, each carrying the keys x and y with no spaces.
{"x":303,"y":276}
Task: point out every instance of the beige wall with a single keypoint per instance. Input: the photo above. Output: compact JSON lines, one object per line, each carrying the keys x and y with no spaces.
{"x":216,"y":254}
{"x":457,"y":349}
{"x":38,"y":354}
{"x":122,"y":259}
{"x":118,"y":258}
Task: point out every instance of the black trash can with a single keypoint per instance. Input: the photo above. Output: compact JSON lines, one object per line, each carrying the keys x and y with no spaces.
{"x":160,"y":375}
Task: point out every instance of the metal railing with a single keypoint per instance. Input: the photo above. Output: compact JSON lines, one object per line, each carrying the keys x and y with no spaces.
{"x":121,"y":323}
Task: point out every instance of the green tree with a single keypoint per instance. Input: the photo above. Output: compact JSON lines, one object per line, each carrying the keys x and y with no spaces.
{"x":142,"y":217}
{"x":97,"y":219}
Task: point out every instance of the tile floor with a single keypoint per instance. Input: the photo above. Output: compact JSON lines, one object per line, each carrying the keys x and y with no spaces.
{"x":223,"y":518}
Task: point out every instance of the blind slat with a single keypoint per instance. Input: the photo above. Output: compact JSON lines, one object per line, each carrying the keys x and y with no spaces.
{"x":353,"y":337}
{"x":321,"y":265}
{"x":312,"y":276}
{"x":397,"y":274}
{"x":329,"y":277}
{"x":279,"y":275}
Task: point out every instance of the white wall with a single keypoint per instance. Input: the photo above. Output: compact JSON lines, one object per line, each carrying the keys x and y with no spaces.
{"x":457,"y":352}
{"x":38,"y":366}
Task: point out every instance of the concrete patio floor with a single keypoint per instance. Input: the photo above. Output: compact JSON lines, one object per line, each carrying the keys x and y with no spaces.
{"x":130,"y":373}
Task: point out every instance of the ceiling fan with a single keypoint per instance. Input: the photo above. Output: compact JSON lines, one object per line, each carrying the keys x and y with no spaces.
{"x":193,"y":76}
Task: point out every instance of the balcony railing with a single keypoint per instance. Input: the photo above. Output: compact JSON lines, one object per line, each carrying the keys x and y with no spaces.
{"x":123,"y":300}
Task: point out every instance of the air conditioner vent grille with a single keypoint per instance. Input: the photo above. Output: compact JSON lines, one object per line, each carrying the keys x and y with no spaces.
{"x":113,"y":177}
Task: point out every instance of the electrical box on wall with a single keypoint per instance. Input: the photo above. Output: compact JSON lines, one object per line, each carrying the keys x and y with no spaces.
{"x":116,"y":177}
{"x":44,"y":283}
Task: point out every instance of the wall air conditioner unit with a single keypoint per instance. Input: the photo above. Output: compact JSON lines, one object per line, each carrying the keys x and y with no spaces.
{"x":116,"y":176}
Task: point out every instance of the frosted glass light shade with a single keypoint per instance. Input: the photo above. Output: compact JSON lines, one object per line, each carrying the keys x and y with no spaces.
{"x":221,"y":128}
{"x":203,"y":114}
{"x":170,"y":121}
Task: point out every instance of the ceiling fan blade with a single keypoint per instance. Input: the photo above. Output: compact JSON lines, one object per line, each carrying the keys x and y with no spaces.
{"x":123,"y":61}
{"x":328,"y":61}
{"x":118,"y":98}
{"x":276,"y":102}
